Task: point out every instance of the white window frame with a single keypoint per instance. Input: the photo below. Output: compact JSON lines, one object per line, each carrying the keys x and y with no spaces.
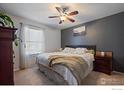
{"x":27,"y":28}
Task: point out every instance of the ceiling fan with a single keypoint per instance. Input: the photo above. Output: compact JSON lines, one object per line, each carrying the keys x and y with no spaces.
{"x":64,"y":15}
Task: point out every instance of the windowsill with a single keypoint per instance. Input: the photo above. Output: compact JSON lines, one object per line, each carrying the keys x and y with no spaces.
{"x":35,"y":54}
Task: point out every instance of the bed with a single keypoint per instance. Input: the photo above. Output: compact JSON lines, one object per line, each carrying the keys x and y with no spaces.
{"x":75,"y":67}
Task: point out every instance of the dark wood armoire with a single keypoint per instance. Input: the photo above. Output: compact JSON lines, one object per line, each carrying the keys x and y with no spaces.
{"x":6,"y":55}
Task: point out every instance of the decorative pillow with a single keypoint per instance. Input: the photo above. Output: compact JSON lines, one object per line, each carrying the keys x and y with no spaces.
{"x":68,"y":50}
{"x":80,"y":51}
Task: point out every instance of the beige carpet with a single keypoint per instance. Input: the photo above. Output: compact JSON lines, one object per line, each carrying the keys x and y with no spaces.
{"x":32,"y":76}
{"x":98,"y":78}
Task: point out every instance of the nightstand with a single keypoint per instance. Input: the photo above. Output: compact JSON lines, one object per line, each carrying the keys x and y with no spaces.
{"x":103,"y":63}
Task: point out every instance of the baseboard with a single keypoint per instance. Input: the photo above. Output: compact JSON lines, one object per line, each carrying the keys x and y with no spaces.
{"x":118,"y":72}
{"x":16,"y":69}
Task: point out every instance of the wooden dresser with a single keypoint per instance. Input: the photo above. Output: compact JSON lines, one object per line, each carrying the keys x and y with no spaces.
{"x":103,"y":63}
{"x":6,"y":55}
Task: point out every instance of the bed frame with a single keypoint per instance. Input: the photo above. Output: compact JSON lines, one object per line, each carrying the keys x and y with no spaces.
{"x":57,"y":78}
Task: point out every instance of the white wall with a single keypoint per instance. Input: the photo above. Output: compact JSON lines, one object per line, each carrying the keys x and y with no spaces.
{"x":52,"y":37}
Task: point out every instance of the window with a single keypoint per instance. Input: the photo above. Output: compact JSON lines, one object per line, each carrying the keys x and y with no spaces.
{"x":34,"y":40}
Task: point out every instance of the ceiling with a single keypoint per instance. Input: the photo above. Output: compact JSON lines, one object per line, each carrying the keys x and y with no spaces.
{"x":39,"y":12}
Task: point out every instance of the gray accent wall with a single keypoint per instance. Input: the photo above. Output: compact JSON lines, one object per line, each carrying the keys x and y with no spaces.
{"x":106,"y":33}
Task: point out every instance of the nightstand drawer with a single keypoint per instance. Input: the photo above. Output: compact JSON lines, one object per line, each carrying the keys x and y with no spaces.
{"x":102,"y":62}
{"x":108,"y":67}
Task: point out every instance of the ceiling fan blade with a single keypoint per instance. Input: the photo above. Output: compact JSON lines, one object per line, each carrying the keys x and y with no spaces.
{"x":70,"y":19}
{"x":53,"y":16}
{"x":59,"y":9}
{"x":60,"y":21}
{"x":73,"y":13}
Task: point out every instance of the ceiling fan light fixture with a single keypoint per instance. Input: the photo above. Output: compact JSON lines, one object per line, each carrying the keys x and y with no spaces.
{"x":63,"y":18}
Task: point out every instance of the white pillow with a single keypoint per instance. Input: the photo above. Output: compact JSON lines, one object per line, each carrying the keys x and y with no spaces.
{"x":80,"y":51}
{"x":68,"y":50}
